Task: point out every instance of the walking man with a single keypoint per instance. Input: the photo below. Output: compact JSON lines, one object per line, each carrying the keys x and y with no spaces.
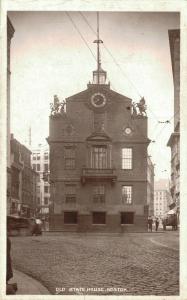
{"x":156,"y":224}
{"x":150,"y":223}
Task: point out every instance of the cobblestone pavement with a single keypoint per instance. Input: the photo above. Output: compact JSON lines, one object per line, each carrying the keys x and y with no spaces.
{"x":129,"y":264}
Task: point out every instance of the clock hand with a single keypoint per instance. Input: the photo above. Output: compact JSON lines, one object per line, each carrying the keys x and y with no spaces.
{"x":97,"y":100}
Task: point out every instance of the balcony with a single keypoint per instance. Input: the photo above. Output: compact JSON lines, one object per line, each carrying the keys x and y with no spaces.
{"x":90,"y":174}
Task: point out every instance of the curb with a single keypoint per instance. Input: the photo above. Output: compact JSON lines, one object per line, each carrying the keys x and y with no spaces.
{"x":28,"y":285}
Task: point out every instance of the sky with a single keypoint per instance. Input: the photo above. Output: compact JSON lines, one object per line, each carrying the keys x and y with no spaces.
{"x":52,"y":53}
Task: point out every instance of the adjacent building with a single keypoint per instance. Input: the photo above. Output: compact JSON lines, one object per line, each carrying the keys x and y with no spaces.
{"x":40,"y":163}
{"x":16,"y":177}
{"x":28,"y":180}
{"x":150,"y":186}
{"x":23,"y":181}
{"x":162,"y":198}
{"x":98,"y":160}
{"x":10,"y":33}
{"x":174,"y":140}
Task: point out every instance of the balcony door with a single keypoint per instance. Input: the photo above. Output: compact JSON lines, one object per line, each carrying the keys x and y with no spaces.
{"x":99,"y":157}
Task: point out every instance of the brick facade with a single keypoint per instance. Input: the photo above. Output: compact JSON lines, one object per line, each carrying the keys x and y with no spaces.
{"x":95,"y":185}
{"x":174,"y":140}
{"x":23,"y":181}
{"x":10,"y":33}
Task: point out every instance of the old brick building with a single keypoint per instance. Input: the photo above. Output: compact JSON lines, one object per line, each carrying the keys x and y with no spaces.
{"x":150,"y":185}
{"x":10,"y":33}
{"x":23,"y":181}
{"x":174,"y":140}
{"x":98,"y":161}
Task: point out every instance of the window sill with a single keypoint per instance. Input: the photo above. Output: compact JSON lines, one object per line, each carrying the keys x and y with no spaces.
{"x":99,"y":224}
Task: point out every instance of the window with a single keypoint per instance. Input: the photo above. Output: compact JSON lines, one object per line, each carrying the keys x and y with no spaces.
{"x":127,"y":218}
{"x":70,"y":217}
{"x":38,"y":156}
{"x":46,"y":200}
{"x":46,"y":167}
{"x":46,"y":156}
{"x":34,"y":167}
{"x":69,"y":155}
{"x":46,"y":189}
{"x":70,"y":193}
{"x":99,"y":218}
{"x":99,"y":157}
{"x":127,"y":194}
{"x":126,"y":158}
{"x":38,"y":200}
{"x":99,"y":193}
{"x":38,"y":167}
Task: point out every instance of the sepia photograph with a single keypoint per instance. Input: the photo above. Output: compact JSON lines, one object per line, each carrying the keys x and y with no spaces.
{"x":93,"y":153}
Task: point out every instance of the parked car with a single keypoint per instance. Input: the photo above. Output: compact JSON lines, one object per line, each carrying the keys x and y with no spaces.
{"x":20,"y":226}
{"x":170,"y":220}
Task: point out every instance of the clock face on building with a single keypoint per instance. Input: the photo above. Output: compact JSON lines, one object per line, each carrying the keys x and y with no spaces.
{"x":128,"y":130}
{"x":98,"y":100}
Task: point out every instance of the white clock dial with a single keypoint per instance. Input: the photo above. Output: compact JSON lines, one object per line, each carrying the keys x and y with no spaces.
{"x":98,"y":100}
{"x":128,"y":130}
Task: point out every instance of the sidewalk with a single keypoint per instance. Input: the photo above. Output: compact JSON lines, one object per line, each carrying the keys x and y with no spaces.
{"x":27,"y":285}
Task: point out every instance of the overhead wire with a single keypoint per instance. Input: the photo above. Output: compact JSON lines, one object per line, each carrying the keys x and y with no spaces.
{"x":75,"y":26}
{"x":114,"y":60}
{"x":136,"y":125}
{"x":153,"y":114}
{"x":159,"y":133}
{"x":85,"y":19}
{"x":118,"y":65}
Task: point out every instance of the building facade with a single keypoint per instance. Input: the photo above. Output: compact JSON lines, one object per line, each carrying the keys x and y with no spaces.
{"x":98,"y":161}
{"x":150,"y":186}
{"x":10,"y":33}
{"x":162,"y":198}
{"x":16,"y":177}
{"x":28,"y":181}
{"x":23,"y":181}
{"x":40,"y":163}
{"x":174,"y":140}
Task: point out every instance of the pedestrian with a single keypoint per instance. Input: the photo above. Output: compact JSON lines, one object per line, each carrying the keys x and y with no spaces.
{"x":174,"y":223}
{"x":150,"y":223}
{"x":164,"y":223}
{"x":36,"y":230}
{"x":156,"y":224}
{"x":9,"y":273}
{"x":11,"y":288}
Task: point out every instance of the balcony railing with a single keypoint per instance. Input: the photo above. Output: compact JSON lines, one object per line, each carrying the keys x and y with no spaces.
{"x":91,"y":174}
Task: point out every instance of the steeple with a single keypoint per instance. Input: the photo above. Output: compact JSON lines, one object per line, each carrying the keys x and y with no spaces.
{"x":99,"y":76}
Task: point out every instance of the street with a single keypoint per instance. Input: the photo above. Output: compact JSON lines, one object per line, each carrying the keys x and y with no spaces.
{"x":120,"y":264}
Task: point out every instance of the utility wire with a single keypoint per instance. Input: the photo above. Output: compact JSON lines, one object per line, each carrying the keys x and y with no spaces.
{"x":154,"y":129}
{"x":114,"y":60}
{"x":117,"y":64}
{"x":80,"y":35}
{"x":85,"y":19}
{"x":159,"y":133}
{"x":75,"y":26}
{"x":153,"y":114}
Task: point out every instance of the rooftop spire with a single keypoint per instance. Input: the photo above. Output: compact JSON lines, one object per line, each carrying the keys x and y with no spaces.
{"x":99,"y":76}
